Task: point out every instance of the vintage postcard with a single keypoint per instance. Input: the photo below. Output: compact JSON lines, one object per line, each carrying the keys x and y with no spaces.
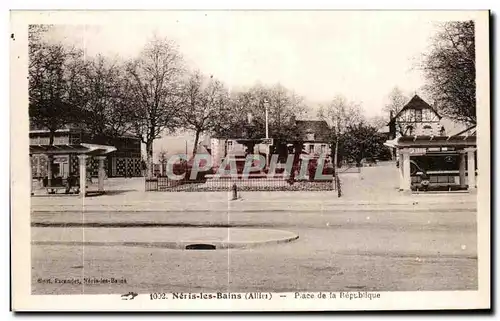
{"x":250,"y":160}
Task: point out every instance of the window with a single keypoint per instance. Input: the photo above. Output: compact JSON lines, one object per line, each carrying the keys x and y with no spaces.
{"x":427,"y":130}
{"x":311,"y":148}
{"x":230,"y":145}
{"x":323,"y":148}
{"x":409,"y":130}
{"x":418,"y":115}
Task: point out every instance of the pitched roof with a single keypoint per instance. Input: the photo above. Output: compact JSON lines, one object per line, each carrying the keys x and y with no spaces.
{"x":416,"y":103}
{"x":320,"y":128}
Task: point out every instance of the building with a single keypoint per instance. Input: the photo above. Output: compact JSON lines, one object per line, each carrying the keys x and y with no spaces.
{"x":437,"y":162}
{"x":314,"y":134}
{"x":416,"y":118}
{"x":429,"y":155}
{"x":125,"y":161}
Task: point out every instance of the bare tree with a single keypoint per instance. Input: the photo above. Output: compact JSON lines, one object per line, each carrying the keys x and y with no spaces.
{"x":396,"y":101}
{"x":36,"y":43}
{"x":54,"y":85}
{"x":205,"y":103}
{"x":450,"y":69}
{"x":155,"y":92}
{"x":234,"y":120}
{"x":377,"y":122}
{"x":341,"y":114}
{"x":283,"y":107}
{"x":107,"y":112}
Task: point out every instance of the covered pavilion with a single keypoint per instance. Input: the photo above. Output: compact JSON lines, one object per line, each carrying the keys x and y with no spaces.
{"x":83,"y":151}
{"x":440,"y":147}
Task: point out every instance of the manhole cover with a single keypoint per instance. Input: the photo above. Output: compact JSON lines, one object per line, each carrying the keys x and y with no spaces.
{"x":200,"y":247}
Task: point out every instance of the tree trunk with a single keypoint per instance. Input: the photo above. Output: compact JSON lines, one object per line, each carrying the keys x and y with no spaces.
{"x":149,"y":159}
{"x":50,"y":160}
{"x":335,"y":156}
{"x":196,"y":139}
{"x":297,"y":151}
{"x":335,"y":176}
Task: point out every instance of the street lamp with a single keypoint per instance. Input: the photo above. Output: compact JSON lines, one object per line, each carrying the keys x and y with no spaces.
{"x":266,"y":103}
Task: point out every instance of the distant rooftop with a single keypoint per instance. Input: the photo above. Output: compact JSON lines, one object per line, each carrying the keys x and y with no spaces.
{"x":320,"y":128}
{"x":417,"y":103}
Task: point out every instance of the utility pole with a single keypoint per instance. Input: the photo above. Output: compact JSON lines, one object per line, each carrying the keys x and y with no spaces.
{"x":335,"y":155}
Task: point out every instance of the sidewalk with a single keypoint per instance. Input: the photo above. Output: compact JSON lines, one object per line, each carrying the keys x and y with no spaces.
{"x":250,"y":201}
{"x":373,"y":189}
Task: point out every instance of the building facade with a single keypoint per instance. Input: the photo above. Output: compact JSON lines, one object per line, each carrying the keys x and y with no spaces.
{"x":429,"y":156}
{"x":314,"y":135}
{"x":417,"y":118}
{"x":124,"y":162}
{"x":437,"y":163}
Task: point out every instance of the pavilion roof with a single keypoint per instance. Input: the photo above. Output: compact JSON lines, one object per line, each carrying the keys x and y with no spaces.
{"x":432,"y":141}
{"x":87,"y":149}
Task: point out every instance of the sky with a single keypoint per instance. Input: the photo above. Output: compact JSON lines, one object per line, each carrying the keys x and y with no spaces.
{"x":318,"y":54}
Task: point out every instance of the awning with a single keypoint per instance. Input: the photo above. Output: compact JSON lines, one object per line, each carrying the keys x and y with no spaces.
{"x":86,"y":149}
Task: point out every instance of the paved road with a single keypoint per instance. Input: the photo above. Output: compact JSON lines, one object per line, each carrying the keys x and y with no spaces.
{"x":385,"y":251}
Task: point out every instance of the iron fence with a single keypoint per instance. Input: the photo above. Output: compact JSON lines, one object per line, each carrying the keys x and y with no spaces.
{"x":215,"y":184}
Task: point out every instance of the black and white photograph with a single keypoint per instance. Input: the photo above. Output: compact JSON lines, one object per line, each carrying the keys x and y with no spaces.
{"x":230,"y":159}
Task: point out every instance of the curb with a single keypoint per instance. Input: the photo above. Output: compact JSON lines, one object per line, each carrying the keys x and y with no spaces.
{"x":353,"y":208}
{"x":177,"y":245}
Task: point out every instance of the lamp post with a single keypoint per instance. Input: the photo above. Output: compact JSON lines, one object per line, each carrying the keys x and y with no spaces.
{"x":267,"y":131}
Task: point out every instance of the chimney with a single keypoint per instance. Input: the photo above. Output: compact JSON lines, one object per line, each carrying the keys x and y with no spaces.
{"x":392,"y":125}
